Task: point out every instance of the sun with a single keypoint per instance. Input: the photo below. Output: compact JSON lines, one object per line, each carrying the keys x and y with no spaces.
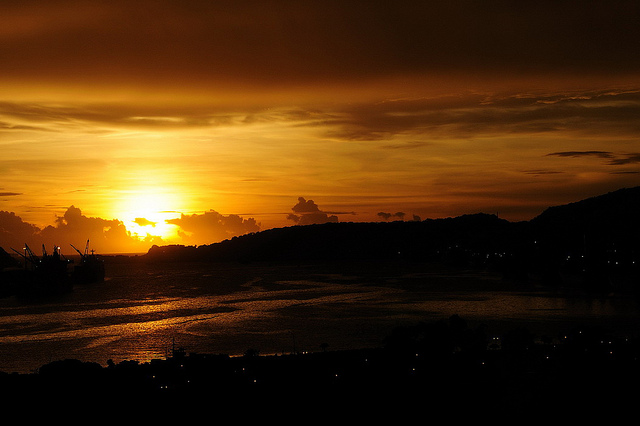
{"x":144,"y":213}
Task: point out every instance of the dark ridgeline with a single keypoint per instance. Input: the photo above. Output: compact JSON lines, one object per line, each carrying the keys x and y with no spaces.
{"x":595,"y":242}
{"x":591,"y":244}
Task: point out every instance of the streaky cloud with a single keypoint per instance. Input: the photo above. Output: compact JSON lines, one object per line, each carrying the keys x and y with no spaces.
{"x":600,"y":154}
{"x":592,"y":113}
{"x":614,"y":159}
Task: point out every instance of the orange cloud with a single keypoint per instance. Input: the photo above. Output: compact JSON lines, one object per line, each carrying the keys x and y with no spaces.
{"x":309,"y":213}
{"x":71,"y":228}
{"x":211,"y":227}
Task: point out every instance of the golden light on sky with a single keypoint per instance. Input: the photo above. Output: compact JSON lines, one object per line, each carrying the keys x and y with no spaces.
{"x":144,"y":211}
{"x":189,"y":122}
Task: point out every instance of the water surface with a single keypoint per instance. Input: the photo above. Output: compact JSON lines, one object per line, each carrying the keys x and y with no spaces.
{"x":142,"y":310}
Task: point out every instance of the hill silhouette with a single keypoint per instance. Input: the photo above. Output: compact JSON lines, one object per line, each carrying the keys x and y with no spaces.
{"x":607,"y":220}
{"x":347,"y":240}
{"x":593,"y":242}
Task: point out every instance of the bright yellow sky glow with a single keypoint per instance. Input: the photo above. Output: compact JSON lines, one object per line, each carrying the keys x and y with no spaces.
{"x":145,"y":210}
{"x":217,"y":117}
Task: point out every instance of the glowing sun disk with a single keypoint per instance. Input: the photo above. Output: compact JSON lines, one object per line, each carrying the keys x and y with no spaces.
{"x":145,"y":213}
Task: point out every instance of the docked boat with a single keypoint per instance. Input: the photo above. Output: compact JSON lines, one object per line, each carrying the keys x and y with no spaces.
{"x":90,"y":269}
{"x":47,"y":275}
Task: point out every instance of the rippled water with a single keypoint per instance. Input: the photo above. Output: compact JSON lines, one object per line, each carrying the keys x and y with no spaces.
{"x":141,"y":310}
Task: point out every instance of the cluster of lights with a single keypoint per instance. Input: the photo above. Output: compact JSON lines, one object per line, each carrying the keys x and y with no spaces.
{"x":413,"y":369}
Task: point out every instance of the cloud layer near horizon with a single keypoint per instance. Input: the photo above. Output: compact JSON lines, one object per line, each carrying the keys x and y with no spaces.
{"x":111,"y":235}
{"x":74,"y":228}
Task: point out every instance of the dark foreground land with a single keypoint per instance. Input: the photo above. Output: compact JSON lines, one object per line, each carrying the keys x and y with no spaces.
{"x":432,"y":367}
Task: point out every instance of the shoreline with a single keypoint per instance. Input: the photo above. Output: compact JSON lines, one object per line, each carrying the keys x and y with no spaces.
{"x":429,"y":360}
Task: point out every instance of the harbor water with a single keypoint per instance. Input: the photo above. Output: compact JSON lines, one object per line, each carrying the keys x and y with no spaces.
{"x":142,"y":310}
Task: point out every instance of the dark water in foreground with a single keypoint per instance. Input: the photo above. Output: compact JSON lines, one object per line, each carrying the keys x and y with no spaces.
{"x":142,"y":309}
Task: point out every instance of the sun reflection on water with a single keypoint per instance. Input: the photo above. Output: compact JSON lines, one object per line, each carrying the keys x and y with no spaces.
{"x":143,"y":328}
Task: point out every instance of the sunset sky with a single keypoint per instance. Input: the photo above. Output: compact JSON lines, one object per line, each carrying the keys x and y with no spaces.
{"x":141,"y":122}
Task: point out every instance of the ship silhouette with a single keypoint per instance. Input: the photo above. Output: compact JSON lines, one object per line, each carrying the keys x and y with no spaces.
{"x":90,"y":269}
{"x":50,"y":274}
{"x":42,"y":276}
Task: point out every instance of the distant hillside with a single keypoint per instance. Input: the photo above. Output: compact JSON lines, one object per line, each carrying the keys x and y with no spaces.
{"x":351,"y":240}
{"x":593,"y":240}
{"x":607,"y":220}
{"x":612,"y":217}
{"x":602,"y":229}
